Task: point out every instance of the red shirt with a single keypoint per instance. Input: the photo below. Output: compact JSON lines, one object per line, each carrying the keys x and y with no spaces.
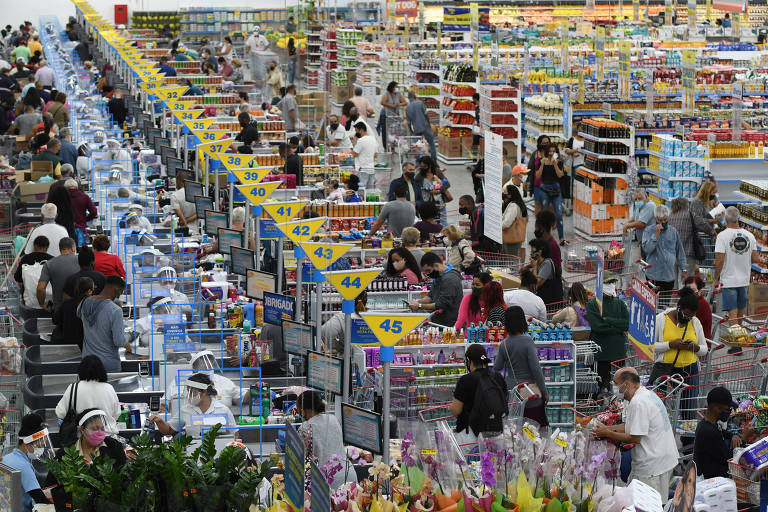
{"x":109,"y":264}
{"x":83,"y":207}
{"x":704,"y":314}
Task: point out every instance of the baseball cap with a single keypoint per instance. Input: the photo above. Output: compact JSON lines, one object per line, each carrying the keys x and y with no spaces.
{"x":519,"y":169}
{"x":720,"y":396}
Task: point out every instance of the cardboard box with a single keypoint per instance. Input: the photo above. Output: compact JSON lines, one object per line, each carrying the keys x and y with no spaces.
{"x":30,"y":192}
{"x":757,"y":292}
{"x":29,"y":175}
{"x":43,"y":166}
{"x":508,"y":281}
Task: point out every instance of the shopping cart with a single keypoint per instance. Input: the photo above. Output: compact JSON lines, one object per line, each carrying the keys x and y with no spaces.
{"x":747,"y":490}
{"x":12,"y":379}
{"x":410,"y":148}
{"x":747,"y":331}
{"x":504,"y":262}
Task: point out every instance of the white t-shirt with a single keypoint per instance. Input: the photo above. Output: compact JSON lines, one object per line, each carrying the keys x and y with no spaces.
{"x":92,"y":395}
{"x":53,"y":232}
{"x":365,"y":148}
{"x":737,"y":245}
{"x":531,"y":303}
{"x":646,"y":417}
{"x":339,"y":134}
{"x":257,"y":43}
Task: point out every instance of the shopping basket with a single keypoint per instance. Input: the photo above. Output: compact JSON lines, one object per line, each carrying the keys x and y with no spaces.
{"x":747,"y":490}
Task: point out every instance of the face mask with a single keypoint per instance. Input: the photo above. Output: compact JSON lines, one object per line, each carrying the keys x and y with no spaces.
{"x":463,"y":211}
{"x":537,"y":233}
{"x":334,"y":126}
{"x":712,"y":197}
{"x":447,"y":242}
{"x":682,"y":318}
{"x":616,"y":391}
{"x":724,"y":416}
{"x":409,"y":175}
{"x":399,"y":265}
{"x":664,"y":225}
{"x":97,"y":437}
{"x":434,"y":274}
{"x":639,"y":205}
{"x":195,"y":399}
{"x":535,"y":256}
{"x":354,"y":117}
{"x":609,"y":289}
{"x":36,"y":453}
{"x":476,"y":291}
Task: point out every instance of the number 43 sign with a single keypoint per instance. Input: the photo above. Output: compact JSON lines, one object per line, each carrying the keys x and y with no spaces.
{"x":389,"y":328}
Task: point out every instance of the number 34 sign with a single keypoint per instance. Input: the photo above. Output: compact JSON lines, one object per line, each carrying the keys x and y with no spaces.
{"x":389,"y":328}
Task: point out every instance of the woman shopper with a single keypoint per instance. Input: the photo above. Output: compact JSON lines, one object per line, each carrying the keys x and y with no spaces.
{"x":679,"y":343}
{"x":429,"y":224}
{"x":391,"y":101}
{"x":575,"y":314}
{"x":704,"y":313}
{"x":59,"y":111}
{"x":608,"y":327}
{"x":517,"y":354}
{"x":492,"y":301}
{"x":549,"y":285}
{"x":550,"y":171}
{"x":701,"y":206}
{"x":434,"y":185}
{"x":322,"y":436}
{"x":534,"y":161}
{"x":514,"y":222}
{"x":401,"y":263}
{"x":459,"y":253}
{"x":106,"y":263}
{"x":688,"y":225}
{"x":91,"y":391}
{"x":470,"y":310}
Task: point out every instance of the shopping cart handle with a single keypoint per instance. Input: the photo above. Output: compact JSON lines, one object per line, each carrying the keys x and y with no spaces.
{"x":717,"y":346}
{"x":627,"y":446}
{"x":644,"y":263}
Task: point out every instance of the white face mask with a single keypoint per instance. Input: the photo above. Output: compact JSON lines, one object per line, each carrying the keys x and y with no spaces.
{"x":617,"y":392}
{"x":399,"y":265}
{"x":37,"y":453}
{"x":609,"y":289}
{"x":195,"y":398}
{"x":447,"y":242}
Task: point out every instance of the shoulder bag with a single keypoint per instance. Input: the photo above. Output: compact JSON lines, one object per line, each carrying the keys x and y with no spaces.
{"x":68,"y":427}
{"x":515,"y":234}
{"x":661,"y":369}
{"x":699,"y":252}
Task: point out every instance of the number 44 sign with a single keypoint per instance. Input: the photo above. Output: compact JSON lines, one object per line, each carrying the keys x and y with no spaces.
{"x":351,"y":283}
{"x":389,"y":328}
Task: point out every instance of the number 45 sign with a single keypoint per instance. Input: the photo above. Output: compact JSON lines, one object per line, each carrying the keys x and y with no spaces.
{"x":389,"y":328}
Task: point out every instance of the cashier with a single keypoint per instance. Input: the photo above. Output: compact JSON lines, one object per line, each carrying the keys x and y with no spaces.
{"x":161,"y":308}
{"x":167,"y":278}
{"x":34,"y":444}
{"x":228,"y":392}
{"x":199,"y":398}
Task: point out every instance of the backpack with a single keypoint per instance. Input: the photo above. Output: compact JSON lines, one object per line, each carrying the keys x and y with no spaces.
{"x":473,"y":268}
{"x":490,"y":403}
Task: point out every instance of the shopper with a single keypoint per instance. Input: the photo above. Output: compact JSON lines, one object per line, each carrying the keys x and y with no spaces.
{"x":549,"y":286}
{"x":608,"y":324}
{"x":86,"y":260}
{"x":391,"y":102}
{"x":166,"y":68}
{"x":68,"y":151}
{"x":446,"y":292}
{"x":199,"y":399}
{"x":59,"y":110}
{"x":292,"y":162}
{"x":517,"y":357}
{"x":688,"y":226}
{"x":290,"y":109}
{"x":39,"y":254}
{"x":93,"y":391}
{"x":735,"y":251}
{"x":103,"y":328}
{"x":292,"y":58}
{"x":480,"y":397}
{"x":322,"y":436}
{"x":713,"y":446}
{"x":398,"y":214}
{"x":545,"y":223}
{"x":249,"y":133}
{"x":56,"y":271}
{"x":65,"y":215}
{"x":49,"y":229}
{"x":470,"y":310}
{"x":275,"y":79}
{"x":663,"y":248}
{"x":410,"y":238}
{"x":34,"y":445}
{"x":647,"y":426}
{"x":416,"y":115}
{"x":476,"y":213}
{"x":514,"y":222}
{"x":492,"y":301}
{"x":26,"y":122}
{"x":575,"y":314}
{"x":525,"y":297}
{"x":21,"y":52}
{"x":550,"y":173}
{"x":401,"y":263}
{"x":83,"y":208}
{"x":106,"y":263}
{"x":364,"y":108}
{"x":643,"y":216}
{"x":434,"y":185}
{"x":534,"y":162}
{"x":51,"y":154}
{"x":68,"y":328}
{"x":185,"y":211}
{"x":704,"y":311}
{"x":414,"y":192}
{"x":428,"y":225}
{"x":333,"y":330}
{"x":365,"y":150}
{"x":459,"y":251}
{"x":335,"y":134}
{"x":705,"y":200}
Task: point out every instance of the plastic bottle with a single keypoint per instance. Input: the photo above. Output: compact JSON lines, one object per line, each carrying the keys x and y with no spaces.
{"x":258,"y":314}
{"x":471,"y":333}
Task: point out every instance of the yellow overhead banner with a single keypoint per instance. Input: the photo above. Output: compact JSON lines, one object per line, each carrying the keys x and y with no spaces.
{"x":285,"y":211}
{"x":211,"y":148}
{"x":303,"y":230}
{"x":179,"y":104}
{"x":187,"y":115}
{"x":252,"y":176}
{"x":259,"y":192}
{"x":390,"y":328}
{"x":211,"y":135}
{"x":351,"y":283}
{"x":198,"y":124}
{"x":323,"y":254}
{"x":173,"y":92}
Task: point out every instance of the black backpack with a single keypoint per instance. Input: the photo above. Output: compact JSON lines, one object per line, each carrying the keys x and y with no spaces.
{"x":490,"y":404}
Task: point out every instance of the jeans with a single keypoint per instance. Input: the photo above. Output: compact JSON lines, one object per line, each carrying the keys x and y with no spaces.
{"x":430,"y":138}
{"x":381,"y":127}
{"x":80,"y":232}
{"x":556,"y":202}
{"x":688,"y":405}
{"x":292,"y":69}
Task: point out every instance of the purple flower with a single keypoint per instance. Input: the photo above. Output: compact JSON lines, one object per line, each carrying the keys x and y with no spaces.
{"x":487,"y":469}
{"x":407,"y":450}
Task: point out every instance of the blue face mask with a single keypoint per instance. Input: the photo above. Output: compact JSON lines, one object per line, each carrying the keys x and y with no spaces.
{"x":639,"y":205}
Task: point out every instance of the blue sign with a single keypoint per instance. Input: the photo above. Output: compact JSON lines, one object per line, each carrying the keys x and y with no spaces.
{"x":307,"y":272}
{"x":642,"y":319}
{"x":294,"y":467}
{"x":362,"y":333}
{"x":175,"y":338}
{"x":278,"y":308}
{"x":320,"y":491}
{"x":269,"y":230}
{"x":599,"y":281}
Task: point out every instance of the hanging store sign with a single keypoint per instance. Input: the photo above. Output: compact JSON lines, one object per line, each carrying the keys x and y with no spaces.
{"x":600,"y":52}
{"x":689,"y":81}
{"x":625,"y":52}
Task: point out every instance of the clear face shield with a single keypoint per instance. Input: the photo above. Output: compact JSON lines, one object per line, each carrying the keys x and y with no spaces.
{"x":193,"y":392}
{"x":167,"y":277}
{"x":204,"y":361}
{"x":93,"y":427}
{"x":115,"y":175}
{"x":42,"y":448}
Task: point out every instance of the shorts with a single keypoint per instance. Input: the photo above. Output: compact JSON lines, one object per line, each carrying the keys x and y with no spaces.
{"x":734,"y":298}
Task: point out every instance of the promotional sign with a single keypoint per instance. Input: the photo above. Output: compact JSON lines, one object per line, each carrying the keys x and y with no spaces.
{"x":691,"y":14}
{"x":600,"y":52}
{"x":324,"y":372}
{"x":649,"y":97}
{"x":457,"y":19}
{"x":494,"y":166}
{"x":299,"y":231}
{"x":278,"y":308}
{"x":323,"y":254}
{"x":564,"y":48}
{"x":258,"y":193}
{"x":689,"y":81}
{"x":667,"y":12}
{"x":198,"y":124}
{"x":362,"y":333}
{"x":361,"y":428}
{"x":233,"y":161}
{"x":642,"y":319}
{"x":268,"y":230}
{"x":320,"y":493}
{"x":297,"y":337}
{"x":252,"y":176}
{"x":735,"y":25}
{"x":389,"y":328}
{"x":736,"y":105}
{"x":282,"y":212}
{"x":406,"y":8}
{"x":351,"y":283}
{"x":635,"y":10}
{"x":625,"y":49}
{"x":599,"y":281}
{"x":294,"y":468}
{"x":175,"y":337}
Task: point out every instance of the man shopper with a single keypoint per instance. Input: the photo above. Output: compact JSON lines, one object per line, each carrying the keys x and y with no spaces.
{"x":525,"y":297}
{"x":416,"y":114}
{"x":68,"y":151}
{"x":735,"y":251}
{"x":476,"y":213}
{"x":38,"y":255}
{"x":293,"y":163}
{"x":642,"y":217}
{"x":56,"y":272}
{"x":290,"y":109}
{"x":399,"y":214}
{"x":83,"y":208}
{"x":249,"y":133}
{"x":608,"y":323}
{"x":49,"y":229}
{"x":663,"y":248}
{"x":87,"y":261}
{"x":364,"y":108}
{"x":414,"y":192}
{"x":51,"y":154}
{"x":364,"y":152}
{"x":335,"y":134}
{"x":103,"y":328}
{"x":185,"y":211}
{"x":713,"y":445}
{"x":446,"y":292}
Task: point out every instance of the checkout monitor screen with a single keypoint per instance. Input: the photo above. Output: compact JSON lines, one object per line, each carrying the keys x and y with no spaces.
{"x":192,"y":189}
{"x":215,"y":221}
{"x":242,"y":259}
{"x":229,"y":238}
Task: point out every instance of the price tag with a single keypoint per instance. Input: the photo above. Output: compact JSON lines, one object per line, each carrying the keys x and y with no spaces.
{"x":351,"y":283}
{"x":300,"y":231}
{"x":322,"y":255}
{"x":197,"y":125}
{"x":251,"y":176}
{"x":428,"y":451}
{"x":527,"y":431}
{"x":258,"y":193}
{"x":561,"y":442}
{"x":282,"y":212}
{"x":232,"y":161}
{"x":390,"y":328}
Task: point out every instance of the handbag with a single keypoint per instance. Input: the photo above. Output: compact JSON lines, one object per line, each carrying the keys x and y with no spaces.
{"x":699,"y":252}
{"x":68,"y":427}
{"x":515,"y":234}
{"x":530,"y":389}
{"x":661,"y":369}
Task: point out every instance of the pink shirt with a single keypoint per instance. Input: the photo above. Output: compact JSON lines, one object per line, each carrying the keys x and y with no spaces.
{"x":410,"y":276}
{"x":362,"y":105}
{"x":466,"y":316}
